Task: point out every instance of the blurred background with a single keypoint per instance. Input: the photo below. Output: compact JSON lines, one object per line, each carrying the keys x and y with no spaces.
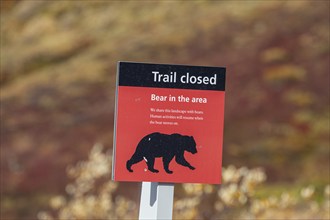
{"x":58,"y":66}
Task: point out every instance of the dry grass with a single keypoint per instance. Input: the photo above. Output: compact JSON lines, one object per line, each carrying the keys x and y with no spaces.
{"x":91,"y":196}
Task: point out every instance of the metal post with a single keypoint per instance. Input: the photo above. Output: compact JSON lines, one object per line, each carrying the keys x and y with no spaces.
{"x":156,"y":200}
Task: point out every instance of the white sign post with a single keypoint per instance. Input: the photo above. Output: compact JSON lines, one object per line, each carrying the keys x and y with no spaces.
{"x":156,"y":200}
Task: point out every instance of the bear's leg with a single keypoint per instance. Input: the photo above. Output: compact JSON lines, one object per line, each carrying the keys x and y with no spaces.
{"x":166,"y":162}
{"x":135,"y":159}
{"x":150,"y":162}
{"x":182,"y":161}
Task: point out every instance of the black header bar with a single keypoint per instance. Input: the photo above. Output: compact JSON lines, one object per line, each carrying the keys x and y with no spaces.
{"x":171,"y":76}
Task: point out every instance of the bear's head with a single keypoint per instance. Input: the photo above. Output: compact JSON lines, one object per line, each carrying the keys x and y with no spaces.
{"x":190,"y":144}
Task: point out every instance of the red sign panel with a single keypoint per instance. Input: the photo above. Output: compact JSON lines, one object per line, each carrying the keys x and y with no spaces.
{"x":169,"y":123}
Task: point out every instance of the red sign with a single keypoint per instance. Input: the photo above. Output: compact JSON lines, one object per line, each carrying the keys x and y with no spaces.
{"x":169,"y":123}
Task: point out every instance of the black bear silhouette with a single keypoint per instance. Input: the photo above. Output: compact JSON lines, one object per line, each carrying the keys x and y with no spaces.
{"x":165,"y":146}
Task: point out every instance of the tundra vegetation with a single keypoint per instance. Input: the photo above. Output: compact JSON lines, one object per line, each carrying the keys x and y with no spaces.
{"x":57,"y":90}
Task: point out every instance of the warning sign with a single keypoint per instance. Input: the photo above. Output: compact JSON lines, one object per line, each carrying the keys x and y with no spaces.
{"x":169,"y":123}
